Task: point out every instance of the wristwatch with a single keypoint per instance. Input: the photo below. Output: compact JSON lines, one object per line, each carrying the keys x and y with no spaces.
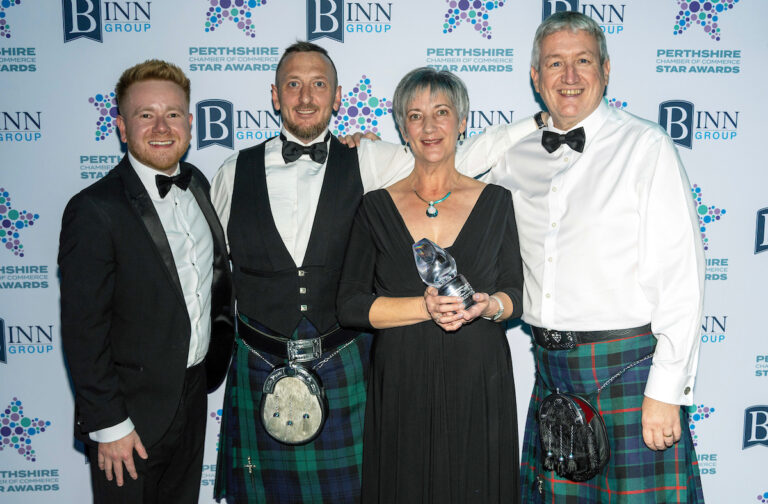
{"x":496,"y":316}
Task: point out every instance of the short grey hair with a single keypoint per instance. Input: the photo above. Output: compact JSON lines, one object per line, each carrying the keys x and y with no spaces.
{"x":568,"y":20}
{"x":436,"y":81}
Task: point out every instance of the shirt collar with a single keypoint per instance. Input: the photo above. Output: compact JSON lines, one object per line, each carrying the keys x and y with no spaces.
{"x":591,"y":124}
{"x":147,"y":176}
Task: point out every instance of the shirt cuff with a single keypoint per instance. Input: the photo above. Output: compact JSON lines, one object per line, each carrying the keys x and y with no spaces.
{"x":113,"y":433}
{"x":668,"y":387}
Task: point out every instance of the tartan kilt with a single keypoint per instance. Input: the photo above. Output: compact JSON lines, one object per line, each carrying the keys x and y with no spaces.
{"x":634,"y":473}
{"x":326,"y":470}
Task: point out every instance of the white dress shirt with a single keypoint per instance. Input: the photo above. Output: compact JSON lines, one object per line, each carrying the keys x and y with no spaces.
{"x":294,"y":188}
{"x":192,"y":247}
{"x":609,"y":240}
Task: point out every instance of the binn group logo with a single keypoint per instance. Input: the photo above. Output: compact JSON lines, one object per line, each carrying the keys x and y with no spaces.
{"x":18,"y":431}
{"x":473,"y":13}
{"x":89,"y":19}
{"x":704,"y":14}
{"x":5,"y":26}
{"x":713,"y":328}
{"x":20,"y":126}
{"x":334,"y":18}
{"x":360,"y":110}
{"x":29,"y":340}
{"x":215,"y":123}
{"x":236,"y":12}
{"x":755,"y":426}
{"x":479,"y":119}
{"x":761,"y":231}
{"x":684,"y":123}
{"x":610,"y":16}
{"x":220,"y":123}
{"x":12,"y":223}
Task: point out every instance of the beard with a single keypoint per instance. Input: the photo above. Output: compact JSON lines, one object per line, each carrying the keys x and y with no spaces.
{"x":162,"y":160}
{"x":307,"y":132}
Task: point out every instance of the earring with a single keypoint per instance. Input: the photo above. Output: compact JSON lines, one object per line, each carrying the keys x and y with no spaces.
{"x":461,"y":138}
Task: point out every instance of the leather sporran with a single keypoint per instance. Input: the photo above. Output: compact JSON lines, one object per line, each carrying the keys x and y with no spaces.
{"x":573,"y":437}
{"x":293,"y":405}
{"x":572,"y":434}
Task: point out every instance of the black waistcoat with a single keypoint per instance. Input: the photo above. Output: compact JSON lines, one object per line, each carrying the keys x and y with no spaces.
{"x":269,"y":286}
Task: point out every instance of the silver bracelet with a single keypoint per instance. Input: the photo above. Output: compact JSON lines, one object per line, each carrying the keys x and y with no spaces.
{"x":496,"y":316}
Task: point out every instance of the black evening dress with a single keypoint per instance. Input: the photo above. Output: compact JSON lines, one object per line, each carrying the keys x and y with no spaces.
{"x":441,"y":420}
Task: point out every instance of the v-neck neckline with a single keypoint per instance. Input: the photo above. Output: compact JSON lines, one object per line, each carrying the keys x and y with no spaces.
{"x":407,"y":232}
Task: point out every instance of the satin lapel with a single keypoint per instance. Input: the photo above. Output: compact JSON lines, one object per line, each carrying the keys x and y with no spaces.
{"x":142,"y":205}
{"x":220,"y":258}
{"x":198,"y":191}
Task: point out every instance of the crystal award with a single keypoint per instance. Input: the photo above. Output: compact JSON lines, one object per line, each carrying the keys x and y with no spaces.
{"x":438,"y":269}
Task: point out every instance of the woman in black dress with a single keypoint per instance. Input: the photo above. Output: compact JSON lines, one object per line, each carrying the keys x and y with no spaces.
{"x":440,"y":423}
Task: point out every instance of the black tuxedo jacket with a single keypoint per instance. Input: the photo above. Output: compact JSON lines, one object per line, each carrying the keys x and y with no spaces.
{"x":125,"y":326}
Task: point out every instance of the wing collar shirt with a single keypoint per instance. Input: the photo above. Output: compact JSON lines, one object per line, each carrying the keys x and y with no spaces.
{"x":192,"y":247}
{"x":609,"y":240}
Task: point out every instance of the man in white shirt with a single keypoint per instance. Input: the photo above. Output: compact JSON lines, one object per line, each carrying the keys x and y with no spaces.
{"x":287,"y":206}
{"x":609,"y":241}
{"x":145,"y":286}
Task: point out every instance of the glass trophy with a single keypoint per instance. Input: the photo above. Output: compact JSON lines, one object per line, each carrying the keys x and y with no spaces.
{"x":438,"y":269}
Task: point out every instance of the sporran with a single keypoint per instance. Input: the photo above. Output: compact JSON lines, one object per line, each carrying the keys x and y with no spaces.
{"x":293,"y":405}
{"x":572,"y":434}
{"x":573,"y":437}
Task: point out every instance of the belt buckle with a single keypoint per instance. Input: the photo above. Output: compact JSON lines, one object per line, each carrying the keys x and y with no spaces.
{"x":304,"y":350}
{"x":560,"y":340}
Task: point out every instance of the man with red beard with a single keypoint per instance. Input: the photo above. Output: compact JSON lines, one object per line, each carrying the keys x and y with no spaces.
{"x":145,"y":286}
{"x":287,"y":206}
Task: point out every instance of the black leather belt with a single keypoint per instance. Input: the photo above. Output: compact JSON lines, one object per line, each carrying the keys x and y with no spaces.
{"x":262,"y":339}
{"x":552,"y":339}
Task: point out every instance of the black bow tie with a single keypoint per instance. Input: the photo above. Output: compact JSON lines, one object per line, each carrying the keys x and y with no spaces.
{"x":575,"y":140}
{"x":293,"y":151}
{"x":164,"y":183}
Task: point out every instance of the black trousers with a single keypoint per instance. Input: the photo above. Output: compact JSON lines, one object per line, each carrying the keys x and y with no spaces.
{"x":174,"y":468}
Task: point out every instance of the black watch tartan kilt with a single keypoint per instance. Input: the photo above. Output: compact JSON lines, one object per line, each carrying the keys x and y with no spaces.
{"x":634,"y":474}
{"x":254,"y":468}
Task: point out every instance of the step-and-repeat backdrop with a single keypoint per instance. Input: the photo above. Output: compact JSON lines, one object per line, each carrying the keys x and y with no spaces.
{"x":696,"y":67}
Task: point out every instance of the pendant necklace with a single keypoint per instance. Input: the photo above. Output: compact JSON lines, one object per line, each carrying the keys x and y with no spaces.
{"x":431,"y":210}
